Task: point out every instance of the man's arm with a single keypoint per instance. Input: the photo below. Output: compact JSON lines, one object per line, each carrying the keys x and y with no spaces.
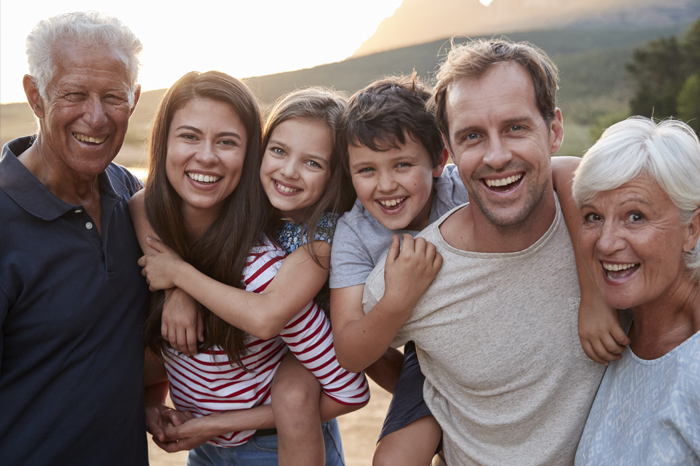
{"x":361,"y":339}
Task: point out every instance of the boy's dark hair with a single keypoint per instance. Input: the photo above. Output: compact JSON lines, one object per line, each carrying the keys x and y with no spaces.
{"x":383,"y":113}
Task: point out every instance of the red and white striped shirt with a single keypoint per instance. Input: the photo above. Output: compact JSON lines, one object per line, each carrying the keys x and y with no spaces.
{"x":209,"y":383}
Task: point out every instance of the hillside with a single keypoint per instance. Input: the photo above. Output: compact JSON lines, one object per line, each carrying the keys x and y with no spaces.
{"x":592,"y":81}
{"x":421,"y":21}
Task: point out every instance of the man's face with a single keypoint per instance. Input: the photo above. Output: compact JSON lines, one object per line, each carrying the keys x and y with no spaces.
{"x":395,"y":185}
{"x":501,"y":143}
{"x":86,"y":113}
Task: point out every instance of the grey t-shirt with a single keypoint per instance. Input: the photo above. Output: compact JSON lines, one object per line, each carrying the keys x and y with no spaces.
{"x":360,"y":241}
{"x":497,"y":339}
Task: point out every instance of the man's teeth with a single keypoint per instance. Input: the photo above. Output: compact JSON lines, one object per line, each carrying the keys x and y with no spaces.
{"x":90,"y":139}
{"x":286,"y":189}
{"x":392,"y":202}
{"x":203,"y":178}
{"x":617,"y":267}
{"x":503,"y":181}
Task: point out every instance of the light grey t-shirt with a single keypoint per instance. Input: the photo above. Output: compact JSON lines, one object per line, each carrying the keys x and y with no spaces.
{"x":360,"y":240}
{"x":497,"y":339}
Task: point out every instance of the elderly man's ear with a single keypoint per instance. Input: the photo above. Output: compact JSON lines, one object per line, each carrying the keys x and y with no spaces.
{"x":137,"y":95}
{"x":33,"y":97}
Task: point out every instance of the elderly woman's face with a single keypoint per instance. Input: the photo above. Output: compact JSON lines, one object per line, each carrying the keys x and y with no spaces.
{"x":632,"y":242}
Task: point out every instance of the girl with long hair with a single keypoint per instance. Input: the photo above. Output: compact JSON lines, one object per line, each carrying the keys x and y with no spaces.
{"x":204,"y":200}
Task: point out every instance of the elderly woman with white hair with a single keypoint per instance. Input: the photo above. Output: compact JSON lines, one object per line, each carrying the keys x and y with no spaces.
{"x":638,"y":189}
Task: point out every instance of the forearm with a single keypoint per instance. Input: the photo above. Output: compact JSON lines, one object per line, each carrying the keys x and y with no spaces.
{"x":385,"y":371}
{"x":363,"y":341}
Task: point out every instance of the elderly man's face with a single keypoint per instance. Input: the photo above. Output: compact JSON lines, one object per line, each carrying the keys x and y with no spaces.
{"x":85,"y":116}
{"x":501,"y":143}
{"x":632,"y":241}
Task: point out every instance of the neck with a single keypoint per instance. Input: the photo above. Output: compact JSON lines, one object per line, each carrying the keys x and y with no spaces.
{"x":63,"y":182}
{"x":667,"y":321}
{"x":197,"y":222}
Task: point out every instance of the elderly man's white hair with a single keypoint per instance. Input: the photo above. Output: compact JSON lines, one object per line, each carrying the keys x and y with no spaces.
{"x":85,"y":29}
{"x":667,"y":152}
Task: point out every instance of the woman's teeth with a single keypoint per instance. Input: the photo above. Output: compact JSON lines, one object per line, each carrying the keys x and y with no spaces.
{"x":203,"y":178}
{"x":503,"y":181}
{"x":617,"y":267}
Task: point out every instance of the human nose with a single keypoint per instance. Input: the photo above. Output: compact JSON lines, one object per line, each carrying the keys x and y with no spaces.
{"x":498,"y":154}
{"x":206,"y":155}
{"x":95,"y":115}
{"x":610,"y":239}
{"x":386,"y":182}
{"x":289,"y":169}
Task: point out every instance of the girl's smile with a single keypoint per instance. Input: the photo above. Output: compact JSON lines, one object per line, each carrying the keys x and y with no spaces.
{"x":296,"y":165}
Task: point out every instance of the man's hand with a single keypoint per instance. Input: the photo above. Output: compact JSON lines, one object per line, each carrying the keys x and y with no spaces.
{"x":409,"y":271}
{"x":599,"y":329}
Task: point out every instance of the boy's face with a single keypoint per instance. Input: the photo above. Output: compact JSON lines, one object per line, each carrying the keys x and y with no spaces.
{"x":396,"y":185}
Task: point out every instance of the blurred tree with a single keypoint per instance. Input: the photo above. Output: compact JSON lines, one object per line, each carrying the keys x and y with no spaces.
{"x":691,"y":48}
{"x":689,"y":102}
{"x":603,"y":122}
{"x":658,"y":70}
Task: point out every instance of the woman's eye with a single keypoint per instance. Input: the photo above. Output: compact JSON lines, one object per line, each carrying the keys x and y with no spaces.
{"x":635,"y":217}
{"x":188,"y":136}
{"x":313,"y":164}
{"x":229,"y":142}
{"x":277,"y":150}
{"x":591,"y":217}
{"x":365,"y":170}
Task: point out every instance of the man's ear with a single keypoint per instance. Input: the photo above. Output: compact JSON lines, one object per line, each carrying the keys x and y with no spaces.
{"x":556,"y":131}
{"x":693,"y":229}
{"x":36,"y":103}
{"x":442,"y":161}
{"x":137,"y":95}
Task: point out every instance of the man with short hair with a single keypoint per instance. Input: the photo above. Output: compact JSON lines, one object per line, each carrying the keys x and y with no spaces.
{"x":72,"y":299}
{"x":496,"y":332}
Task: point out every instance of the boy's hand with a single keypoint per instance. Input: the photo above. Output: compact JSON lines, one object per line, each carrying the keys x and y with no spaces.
{"x":181,"y":323}
{"x":159,"y":268}
{"x":409,"y":271}
{"x":599,"y":329}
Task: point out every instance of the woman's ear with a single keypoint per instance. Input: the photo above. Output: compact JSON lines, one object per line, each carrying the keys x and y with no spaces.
{"x":693,"y":231}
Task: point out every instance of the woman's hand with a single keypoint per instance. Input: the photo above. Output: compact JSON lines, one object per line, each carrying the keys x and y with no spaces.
{"x":160,"y":268}
{"x":185,"y":433}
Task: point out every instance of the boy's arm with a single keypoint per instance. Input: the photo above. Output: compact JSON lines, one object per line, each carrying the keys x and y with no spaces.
{"x":262,"y":315}
{"x":602,"y":337}
{"x":361,"y":339}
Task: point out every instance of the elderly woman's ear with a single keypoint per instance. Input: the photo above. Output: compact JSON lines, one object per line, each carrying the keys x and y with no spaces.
{"x":693,"y":231}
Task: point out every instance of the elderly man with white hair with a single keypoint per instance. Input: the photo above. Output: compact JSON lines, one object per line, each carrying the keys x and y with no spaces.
{"x":72,"y":299}
{"x":638,"y":189}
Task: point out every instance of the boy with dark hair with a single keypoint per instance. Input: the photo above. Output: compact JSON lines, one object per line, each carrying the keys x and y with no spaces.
{"x":395,"y":156}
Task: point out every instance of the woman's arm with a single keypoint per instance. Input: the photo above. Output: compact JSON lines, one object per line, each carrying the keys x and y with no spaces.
{"x":262,"y":315}
{"x":601,"y":335}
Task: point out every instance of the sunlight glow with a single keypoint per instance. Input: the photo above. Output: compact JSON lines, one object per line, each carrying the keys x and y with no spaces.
{"x":241,"y":38}
{"x":485,"y":2}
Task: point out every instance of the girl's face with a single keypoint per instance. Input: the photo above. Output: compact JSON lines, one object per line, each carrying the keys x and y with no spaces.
{"x":296,"y":165}
{"x":206,"y":148}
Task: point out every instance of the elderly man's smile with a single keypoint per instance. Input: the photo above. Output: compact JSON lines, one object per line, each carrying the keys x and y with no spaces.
{"x":89,"y":139}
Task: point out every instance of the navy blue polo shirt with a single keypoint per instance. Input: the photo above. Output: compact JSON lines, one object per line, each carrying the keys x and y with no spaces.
{"x":72,"y":309}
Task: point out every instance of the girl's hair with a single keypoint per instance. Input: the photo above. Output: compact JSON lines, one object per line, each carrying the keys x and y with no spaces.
{"x":319,"y":104}
{"x":222,"y":250}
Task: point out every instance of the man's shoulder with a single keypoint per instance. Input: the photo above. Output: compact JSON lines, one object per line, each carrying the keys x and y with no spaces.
{"x":123,"y":181}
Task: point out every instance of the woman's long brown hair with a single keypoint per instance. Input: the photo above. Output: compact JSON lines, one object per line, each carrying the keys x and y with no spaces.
{"x":222,"y":250}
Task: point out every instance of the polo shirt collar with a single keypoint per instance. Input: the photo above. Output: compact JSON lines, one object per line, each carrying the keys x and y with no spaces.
{"x":30,"y":194}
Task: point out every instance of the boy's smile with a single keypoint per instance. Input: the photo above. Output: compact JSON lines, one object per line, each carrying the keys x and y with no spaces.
{"x":396,"y":185}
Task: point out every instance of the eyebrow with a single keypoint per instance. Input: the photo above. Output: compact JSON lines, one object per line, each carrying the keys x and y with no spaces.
{"x":194,"y":129}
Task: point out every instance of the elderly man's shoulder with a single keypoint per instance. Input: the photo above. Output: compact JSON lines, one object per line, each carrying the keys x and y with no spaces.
{"x":119,"y":174}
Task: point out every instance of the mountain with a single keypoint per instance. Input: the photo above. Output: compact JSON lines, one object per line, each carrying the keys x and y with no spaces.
{"x":420,"y":21}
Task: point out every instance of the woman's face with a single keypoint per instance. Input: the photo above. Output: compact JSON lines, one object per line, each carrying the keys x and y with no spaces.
{"x":296,"y":165}
{"x":632,"y":241}
{"x":206,"y":148}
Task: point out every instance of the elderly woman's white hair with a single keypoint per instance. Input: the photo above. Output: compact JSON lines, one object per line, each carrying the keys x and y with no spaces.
{"x":86,"y":29}
{"x":667,"y":152}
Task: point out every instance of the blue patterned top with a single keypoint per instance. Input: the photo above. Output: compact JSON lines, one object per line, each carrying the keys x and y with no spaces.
{"x":647,"y":412}
{"x":292,"y":235}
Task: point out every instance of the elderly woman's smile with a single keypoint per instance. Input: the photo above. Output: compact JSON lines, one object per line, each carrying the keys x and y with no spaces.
{"x":632,"y":239}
